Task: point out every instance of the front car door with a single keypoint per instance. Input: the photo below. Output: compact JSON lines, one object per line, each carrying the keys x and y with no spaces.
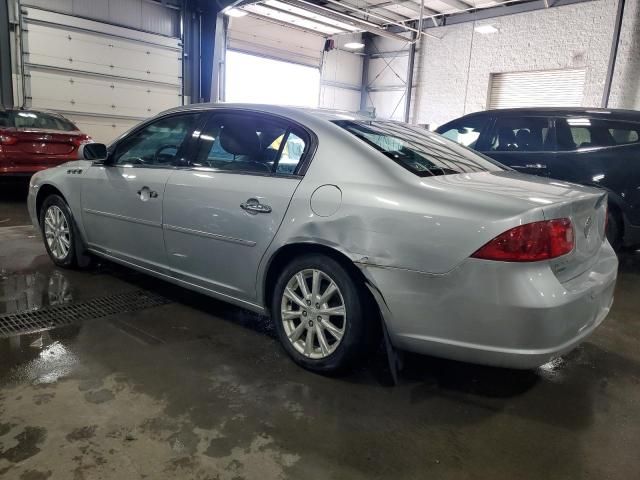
{"x":523,"y":143}
{"x":221,"y":215}
{"x":122,"y":198}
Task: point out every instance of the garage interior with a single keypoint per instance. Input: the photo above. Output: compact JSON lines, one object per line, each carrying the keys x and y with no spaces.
{"x":108,"y":373}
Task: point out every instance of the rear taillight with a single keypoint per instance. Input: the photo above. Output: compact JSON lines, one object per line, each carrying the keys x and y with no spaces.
{"x":530,"y":242}
{"x":8,"y":140}
{"x":81,"y":139}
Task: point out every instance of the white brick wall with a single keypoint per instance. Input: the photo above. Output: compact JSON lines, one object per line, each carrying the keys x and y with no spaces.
{"x":625,"y":88}
{"x":452,"y":72}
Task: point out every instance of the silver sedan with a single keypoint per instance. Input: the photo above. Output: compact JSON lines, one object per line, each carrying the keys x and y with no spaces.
{"x":339,"y":227}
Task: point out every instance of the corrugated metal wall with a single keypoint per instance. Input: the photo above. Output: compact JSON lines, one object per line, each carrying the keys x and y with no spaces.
{"x":106,"y":78}
{"x":145,"y":15}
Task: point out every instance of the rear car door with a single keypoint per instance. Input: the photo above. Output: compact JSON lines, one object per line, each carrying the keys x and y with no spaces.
{"x":601,"y":152}
{"x":222,"y":213}
{"x":523,"y":143}
{"x":122,"y":199}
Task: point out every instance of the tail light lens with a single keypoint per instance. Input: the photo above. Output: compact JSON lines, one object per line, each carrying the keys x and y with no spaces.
{"x":531,"y":242}
{"x":8,"y":140}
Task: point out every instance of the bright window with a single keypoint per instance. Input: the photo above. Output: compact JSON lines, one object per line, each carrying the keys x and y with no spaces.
{"x":251,"y":79}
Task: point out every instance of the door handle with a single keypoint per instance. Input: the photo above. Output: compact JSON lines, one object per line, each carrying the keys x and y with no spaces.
{"x":253,"y":205}
{"x":145,"y":193}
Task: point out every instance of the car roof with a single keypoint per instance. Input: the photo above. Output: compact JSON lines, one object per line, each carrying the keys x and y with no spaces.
{"x":294,"y":112}
{"x":35,"y":110}
{"x":618,"y":113}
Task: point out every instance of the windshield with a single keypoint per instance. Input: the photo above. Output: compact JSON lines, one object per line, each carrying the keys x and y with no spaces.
{"x":30,"y":119}
{"x":419,"y":151}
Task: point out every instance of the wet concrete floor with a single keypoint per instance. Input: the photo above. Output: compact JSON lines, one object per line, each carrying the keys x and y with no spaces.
{"x":197,"y":389}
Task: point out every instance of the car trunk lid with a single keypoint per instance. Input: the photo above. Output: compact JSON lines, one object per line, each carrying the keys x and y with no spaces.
{"x":588,"y":216}
{"x":509,"y":198}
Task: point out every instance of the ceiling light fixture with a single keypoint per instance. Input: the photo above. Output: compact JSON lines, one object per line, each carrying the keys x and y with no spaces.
{"x":486,"y":29}
{"x":354,"y":45}
{"x":234,"y":12}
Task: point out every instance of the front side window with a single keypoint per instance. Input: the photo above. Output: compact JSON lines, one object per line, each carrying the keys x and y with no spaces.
{"x":465,"y":131}
{"x":35,"y":120}
{"x":577,"y":133}
{"x":250,"y":143}
{"x":419,"y":151}
{"x":521,"y":134}
{"x":157,"y":144}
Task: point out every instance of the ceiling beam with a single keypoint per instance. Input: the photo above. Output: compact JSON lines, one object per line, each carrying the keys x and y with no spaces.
{"x":396,"y":17}
{"x":458,"y":4}
{"x":408,"y":4}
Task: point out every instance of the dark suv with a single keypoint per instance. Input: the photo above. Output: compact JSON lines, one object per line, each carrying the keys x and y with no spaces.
{"x":590,"y":146}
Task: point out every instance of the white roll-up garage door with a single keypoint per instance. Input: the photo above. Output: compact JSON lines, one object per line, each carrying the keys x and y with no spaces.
{"x":268,"y":39}
{"x":548,"y":88}
{"x":103,"y":77}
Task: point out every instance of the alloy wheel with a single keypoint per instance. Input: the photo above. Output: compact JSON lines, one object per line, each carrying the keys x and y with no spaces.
{"x":313,"y":313}
{"x":57,"y":233}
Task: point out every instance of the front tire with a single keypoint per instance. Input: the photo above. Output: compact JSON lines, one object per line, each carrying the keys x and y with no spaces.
{"x":58,"y":231}
{"x":318,"y":310}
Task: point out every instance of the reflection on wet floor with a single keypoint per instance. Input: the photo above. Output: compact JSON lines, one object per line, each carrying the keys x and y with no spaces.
{"x":31,"y":291}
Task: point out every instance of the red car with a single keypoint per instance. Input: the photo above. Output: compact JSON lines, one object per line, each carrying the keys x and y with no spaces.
{"x":31,"y":141}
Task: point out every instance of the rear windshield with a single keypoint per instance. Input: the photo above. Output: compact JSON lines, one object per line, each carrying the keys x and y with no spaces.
{"x":419,"y":151}
{"x":40,"y":120}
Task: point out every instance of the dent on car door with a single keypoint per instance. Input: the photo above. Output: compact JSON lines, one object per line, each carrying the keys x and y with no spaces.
{"x":122,"y":199}
{"x":522,"y":143}
{"x":221,"y":215}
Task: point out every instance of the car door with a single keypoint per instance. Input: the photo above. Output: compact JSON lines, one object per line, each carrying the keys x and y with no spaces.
{"x":122,"y":198}
{"x":523,"y":143}
{"x":221,"y":214}
{"x":600,"y":152}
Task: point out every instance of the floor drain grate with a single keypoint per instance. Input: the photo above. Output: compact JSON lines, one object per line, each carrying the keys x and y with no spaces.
{"x":19,"y":323}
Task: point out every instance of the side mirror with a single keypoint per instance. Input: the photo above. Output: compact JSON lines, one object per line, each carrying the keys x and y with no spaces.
{"x":93,"y":151}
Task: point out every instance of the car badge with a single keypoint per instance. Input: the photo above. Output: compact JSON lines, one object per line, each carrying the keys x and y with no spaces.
{"x":587,"y":226}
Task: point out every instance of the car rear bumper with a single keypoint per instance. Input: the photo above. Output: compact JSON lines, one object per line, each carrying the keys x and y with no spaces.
{"x":511,"y":315}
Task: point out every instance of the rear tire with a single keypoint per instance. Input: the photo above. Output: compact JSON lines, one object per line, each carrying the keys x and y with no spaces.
{"x":318,"y":313}
{"x":614,"y":229}
{"x":59,"y":233}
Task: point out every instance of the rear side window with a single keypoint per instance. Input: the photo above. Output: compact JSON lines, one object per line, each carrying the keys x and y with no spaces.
{"x":577,"y":133}
{"x":521,"y":134}
{"x":419,"y":151}
{"x":465,"y":131}
{"x":35,"y":120}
